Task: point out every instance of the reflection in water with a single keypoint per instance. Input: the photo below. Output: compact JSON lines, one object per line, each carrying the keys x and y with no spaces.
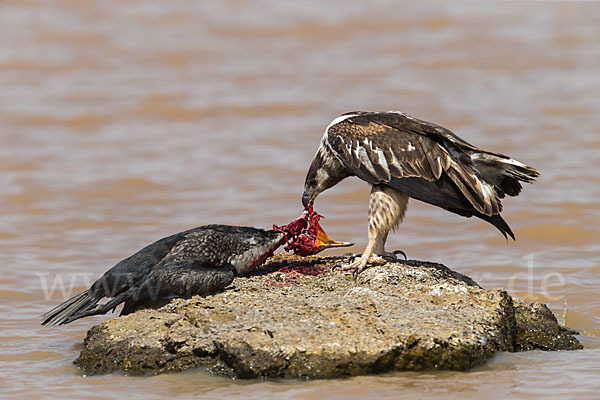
{"x":124,"y":122}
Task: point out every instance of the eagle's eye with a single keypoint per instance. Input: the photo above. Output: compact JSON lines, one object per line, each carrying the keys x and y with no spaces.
{"x":312,"y":182}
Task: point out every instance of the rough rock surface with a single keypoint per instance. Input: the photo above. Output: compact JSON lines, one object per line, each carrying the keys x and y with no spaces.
{"x":300,"y":318}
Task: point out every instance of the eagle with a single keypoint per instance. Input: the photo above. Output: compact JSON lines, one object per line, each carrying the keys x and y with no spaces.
{"x":402,"y":157}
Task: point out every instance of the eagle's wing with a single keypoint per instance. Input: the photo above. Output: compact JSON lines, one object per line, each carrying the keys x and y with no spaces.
{"x":388,"y":148}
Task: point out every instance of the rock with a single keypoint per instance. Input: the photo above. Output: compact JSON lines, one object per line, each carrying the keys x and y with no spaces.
{"x":298,"y":318}
{"x":537,"y":328}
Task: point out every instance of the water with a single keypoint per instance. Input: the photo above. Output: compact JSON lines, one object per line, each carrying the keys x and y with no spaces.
{"x":123,"y":122}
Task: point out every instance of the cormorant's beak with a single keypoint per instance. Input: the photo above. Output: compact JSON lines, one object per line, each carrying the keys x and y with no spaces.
{"x":323,"y":241}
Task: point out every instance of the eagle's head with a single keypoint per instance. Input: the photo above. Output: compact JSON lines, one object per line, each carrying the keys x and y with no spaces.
{"x":325,"y":171}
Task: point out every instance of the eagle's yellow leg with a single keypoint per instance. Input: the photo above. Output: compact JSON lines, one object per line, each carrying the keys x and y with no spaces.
{"x":386,"y":210}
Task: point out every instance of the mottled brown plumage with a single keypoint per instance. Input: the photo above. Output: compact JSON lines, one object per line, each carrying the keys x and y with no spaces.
{"x":401,"y":157}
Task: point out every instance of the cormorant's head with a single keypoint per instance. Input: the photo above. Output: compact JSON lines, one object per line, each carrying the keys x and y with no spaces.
{"x":312,"y":239}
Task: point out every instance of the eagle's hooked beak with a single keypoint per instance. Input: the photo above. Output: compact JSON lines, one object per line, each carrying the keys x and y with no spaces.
{"x":306,"y":199}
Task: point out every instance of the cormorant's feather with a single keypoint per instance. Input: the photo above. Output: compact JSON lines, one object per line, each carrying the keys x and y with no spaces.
{"x":199,"y":261}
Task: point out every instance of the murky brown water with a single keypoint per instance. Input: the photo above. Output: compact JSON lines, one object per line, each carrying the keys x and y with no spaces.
{"x":123,"y":122}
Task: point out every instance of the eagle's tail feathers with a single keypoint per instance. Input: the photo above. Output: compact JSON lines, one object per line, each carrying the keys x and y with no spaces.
{"x":500,"y":224}
{"x":503,"y":172}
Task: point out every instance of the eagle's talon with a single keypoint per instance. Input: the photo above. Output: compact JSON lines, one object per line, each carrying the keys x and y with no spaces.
{"x":359,"y":269}
{"x":356,"y":267}
{"x":396,"y":252}
{"x":390,"y":257}
{"x":352,"y":256}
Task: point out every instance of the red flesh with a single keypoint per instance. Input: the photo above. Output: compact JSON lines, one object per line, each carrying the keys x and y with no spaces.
{"x":303,"y":232}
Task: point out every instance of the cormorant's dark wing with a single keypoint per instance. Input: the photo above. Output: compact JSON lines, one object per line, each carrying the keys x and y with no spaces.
{"x":117,"y":283}
{"x":134,"y":268}
{"x":181,"y":279}
{"x":411,"y":155}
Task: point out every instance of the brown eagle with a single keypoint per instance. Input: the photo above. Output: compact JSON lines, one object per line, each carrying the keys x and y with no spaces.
{"x":401,"y":157}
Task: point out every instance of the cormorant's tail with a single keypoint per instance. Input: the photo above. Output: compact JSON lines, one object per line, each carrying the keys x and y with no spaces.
{"x":98,"y":309}
{"x":81,"y":305}
{"x":63,"y":313}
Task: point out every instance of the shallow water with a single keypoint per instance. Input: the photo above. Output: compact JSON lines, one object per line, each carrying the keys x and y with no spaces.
{"x":123,"y":122}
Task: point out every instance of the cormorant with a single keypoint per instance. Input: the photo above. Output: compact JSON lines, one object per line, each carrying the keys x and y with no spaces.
{"x":199,"y":261}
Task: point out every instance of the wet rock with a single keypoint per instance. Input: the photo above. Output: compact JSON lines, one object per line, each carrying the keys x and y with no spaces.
{"x":537,"y":328}
{"x":301,"y":318}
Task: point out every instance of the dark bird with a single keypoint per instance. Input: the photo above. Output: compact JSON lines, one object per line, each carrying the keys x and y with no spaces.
{"x":199,"y":261}
{"x":401,"y":157}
